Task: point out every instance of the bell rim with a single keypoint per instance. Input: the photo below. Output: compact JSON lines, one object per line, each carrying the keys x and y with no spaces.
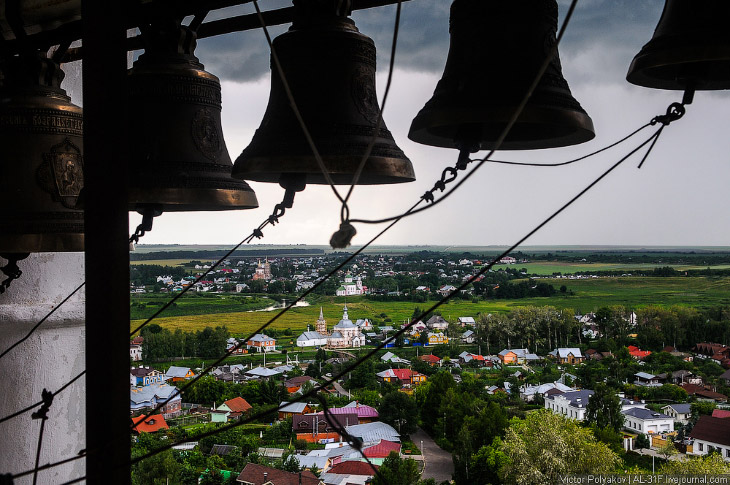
{"x":63,"y":242}
{"x":650,"y":59}
{"x":377,"y":170}
{"x":421,"y":130}
{"x":178,"y":199}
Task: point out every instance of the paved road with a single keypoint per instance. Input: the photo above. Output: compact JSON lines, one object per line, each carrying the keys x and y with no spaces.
{"x":439,"y":465}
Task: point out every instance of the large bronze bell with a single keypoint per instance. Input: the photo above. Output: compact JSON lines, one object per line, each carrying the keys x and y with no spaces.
{"x":179,"y":160}
{"x":497,"y":48}
{"x":41,"y":167}
{"x":690,"y":48}
{"x":330,"y":68}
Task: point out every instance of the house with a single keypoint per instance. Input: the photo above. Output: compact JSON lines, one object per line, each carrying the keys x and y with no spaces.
{"x":179,"y":373}
{"x":528,"y":393}
{"x":703,"y":393}
{"x":379,"y":452}
{"x":637,"y":353}
{"x":144,"y":376}
{"x":153,"y":395}
{"x":294,"y":384}
{"x":646,"y":421}
{"x":149,"y":424}
{"x":570,"y":404}
{"x":261,"y":343}
{"x":711,"y":434}
{"x":404,"y":377}
{"x":468,"y":337}
{"x":289,"y":410}
{"x":437,"y":338}
{"x":437,"y":322}
{"x":321,"y":463}
{"x":430,"y":359}
{"x":254,"y":474}
{"x":262,"y":373}
{"x":517,"y":356}
{"x":349,"y":472}
{"x":596,"y":355}
{"x":647,"y":380}
{"x":234,"y":347}
{"x":446,"y":290}
{"x":231,"y":409}
{"x":316,"y":428}
{"x":725,"y":376}
{"x":679,"y":412}
{"x":312,"y":339}
{"x":373,"y":433}
{"x":507,"y":260}
{"x":135,"y":352}
{"x":392,"y":358}
{"x":365,"y":413}
{"x":464,"y":321}
{"x":568,"y":355}
{"x":720,"y":413}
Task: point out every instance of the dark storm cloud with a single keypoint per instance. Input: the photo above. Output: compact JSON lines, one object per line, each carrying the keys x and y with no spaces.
{"x":613,"y":29}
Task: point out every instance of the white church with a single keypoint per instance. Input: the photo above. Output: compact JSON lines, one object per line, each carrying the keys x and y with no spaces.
{"x":345,"y":333}
{"x":351,"y":287}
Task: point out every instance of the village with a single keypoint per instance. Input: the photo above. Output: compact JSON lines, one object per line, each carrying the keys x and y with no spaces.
{"x":662,"y":403}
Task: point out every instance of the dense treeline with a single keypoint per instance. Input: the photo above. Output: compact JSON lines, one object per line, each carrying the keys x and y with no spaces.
{"x":216,"y":254}
{"x":161,"y":344}
{"x":523,"y":289}
{"x":146,"y":274}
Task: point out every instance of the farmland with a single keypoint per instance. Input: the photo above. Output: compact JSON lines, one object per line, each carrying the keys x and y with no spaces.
{"x":589,"y":294}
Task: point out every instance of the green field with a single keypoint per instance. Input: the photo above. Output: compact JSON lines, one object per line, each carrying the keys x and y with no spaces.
{"x":144,"y":306}
{"x":551,"y":267}
{"x":590,"y":294}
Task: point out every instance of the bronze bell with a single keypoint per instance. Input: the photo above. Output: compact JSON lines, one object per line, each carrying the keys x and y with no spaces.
{"x":41,"y":166}
{"x":690,"y":48}
{"x":330,"y":68}
{"x":179,"y":160}
{"x":497,"y":48}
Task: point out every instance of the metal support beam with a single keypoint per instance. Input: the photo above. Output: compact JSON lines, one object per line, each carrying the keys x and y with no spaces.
{"x":107,"y":250}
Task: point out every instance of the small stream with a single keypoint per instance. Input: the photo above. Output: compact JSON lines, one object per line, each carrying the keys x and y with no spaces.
{"x":279,"y":306}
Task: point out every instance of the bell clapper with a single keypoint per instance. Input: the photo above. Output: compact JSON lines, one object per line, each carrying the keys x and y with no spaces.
{"x":11,"y":269}
{"x":148,"y":214}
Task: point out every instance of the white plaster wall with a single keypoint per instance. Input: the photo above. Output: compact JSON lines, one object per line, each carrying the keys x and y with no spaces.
{"x":52,"y":356}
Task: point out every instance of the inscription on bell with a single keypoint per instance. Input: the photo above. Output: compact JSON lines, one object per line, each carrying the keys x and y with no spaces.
{"x":44,"y":123}
{"x":62,"y":173}
{"x":206,"y":133}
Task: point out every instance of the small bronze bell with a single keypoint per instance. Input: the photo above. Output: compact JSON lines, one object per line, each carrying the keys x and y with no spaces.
{"x":497,"y":48}
{"x":690,"y":48}
{"x":41,"y":167}
{"x":179,"y":160}
{"x":330,"y":69}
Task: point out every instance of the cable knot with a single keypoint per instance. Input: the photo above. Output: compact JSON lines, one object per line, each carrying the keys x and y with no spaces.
{"x":257,"y":233}
{"x":342,"y":237}
{"x":674,"y":112}
{"x":439,"y":185}
{"x":42,"y":413}
{"x":428,"y":196}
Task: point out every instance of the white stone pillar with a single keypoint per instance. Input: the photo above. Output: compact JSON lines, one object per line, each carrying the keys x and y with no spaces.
{"x":53,"y":355}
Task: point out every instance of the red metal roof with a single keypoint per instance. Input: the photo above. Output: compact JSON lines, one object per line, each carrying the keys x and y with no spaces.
{"x":150,"y":424}
{"x":430,"y":358}
{"x":720,"y":413}
{"x":353,"y":468}
{"x":382,"y":449}
{"x":238,"y":404}
{"x":253,"y":473}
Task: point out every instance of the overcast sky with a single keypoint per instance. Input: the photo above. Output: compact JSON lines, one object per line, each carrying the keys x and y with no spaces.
{"x":679,"y":197}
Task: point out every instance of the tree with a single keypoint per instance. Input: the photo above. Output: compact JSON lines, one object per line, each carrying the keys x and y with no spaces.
{"x":642,"y":441}
{"x":604,"y":408}
{"x":545,"y":445}
{"x":400,"y":411}
{"x":667,"y":450}
{"x":711,"y":464}
{"x":394,"y":470}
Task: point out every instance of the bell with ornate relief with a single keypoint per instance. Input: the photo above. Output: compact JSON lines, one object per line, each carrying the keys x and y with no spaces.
{"x":329,"y":67}
{"x":497,"y":48}
{"x":690,"y":48}
{"x":178,"y":157}
{"x":41,"y":167}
